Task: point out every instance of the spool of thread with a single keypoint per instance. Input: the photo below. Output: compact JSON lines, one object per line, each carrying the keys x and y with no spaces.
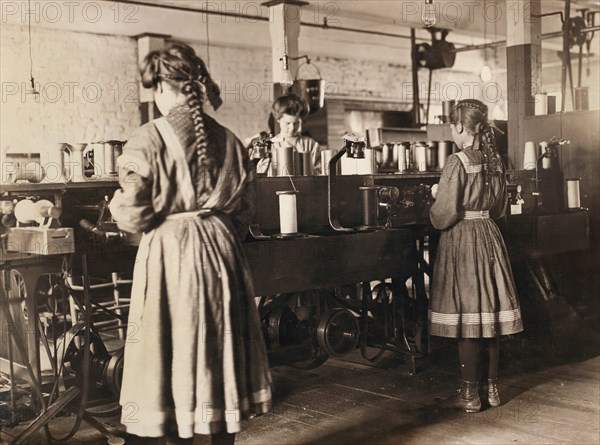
{"x":283,"y":160}
{"x":112,"y":151}
{"x":31,"y":172}
{"x":369,"y":205}
{"x":530,"y":156}
{"x":444,"y":150}
{"x":288,"y":216}
{"x":77,"y":163}
{"x":27,"y":211}
{"x":573,"y":196}
{"x":54,"y":164}
{"x":421,"y":156}
{"x":541,"y":104}
{"x":326,"y":156}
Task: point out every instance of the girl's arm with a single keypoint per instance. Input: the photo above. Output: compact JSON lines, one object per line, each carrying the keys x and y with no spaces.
{"x":444,"y":212}
{"x":498,"y":210}
{"x":131,"y":206}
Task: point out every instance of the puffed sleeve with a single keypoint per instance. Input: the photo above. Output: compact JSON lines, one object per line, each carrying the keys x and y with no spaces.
{"x":498,"y":210}
{"x":444,"y":212}
{"x":131,"y":205}
{"x":243,"y":215}
{"x":315,"y":153}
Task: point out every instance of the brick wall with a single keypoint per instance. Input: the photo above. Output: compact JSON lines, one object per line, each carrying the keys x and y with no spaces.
{"x":88,"y":85}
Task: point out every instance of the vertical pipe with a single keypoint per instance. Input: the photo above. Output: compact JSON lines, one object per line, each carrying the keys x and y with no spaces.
{"x":415,"y":79}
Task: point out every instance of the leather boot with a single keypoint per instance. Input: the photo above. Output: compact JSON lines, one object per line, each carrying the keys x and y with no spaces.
{"x":493,"y":396}
{"x":466,"y":398}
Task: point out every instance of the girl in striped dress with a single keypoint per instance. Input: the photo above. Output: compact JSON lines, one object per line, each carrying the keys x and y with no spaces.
{"x":473,"y":296}
{"x":195,"y":359}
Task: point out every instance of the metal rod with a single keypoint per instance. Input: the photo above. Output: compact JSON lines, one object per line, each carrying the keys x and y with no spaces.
{"x":463,"y":47}
{"x":415,"y":81}
{"x":260,"y":18}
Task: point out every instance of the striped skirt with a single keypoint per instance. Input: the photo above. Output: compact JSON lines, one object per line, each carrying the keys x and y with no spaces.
{"x":473,"y":293}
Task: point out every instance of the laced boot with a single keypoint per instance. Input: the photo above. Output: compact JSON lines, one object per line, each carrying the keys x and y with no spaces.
{"x":493,"y":396}
{"x":466,"y":398}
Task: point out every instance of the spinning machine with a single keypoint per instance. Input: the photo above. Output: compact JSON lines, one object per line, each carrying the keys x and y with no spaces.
{"x":347,"y":273}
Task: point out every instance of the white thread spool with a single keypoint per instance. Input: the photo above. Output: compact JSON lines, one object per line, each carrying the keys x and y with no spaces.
{"x":54,"y":164}
{"x":573,"y":196}
{"x":288,"y":216}
{"x":541,"y":104}
{"x":530,"y":157}
{"x":28,"y":212}
{"x":77,"y":162}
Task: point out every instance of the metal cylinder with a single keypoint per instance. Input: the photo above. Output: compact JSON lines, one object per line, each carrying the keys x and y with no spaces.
{"x":326,"y":156}
{"x":420,"y":156}
{"x":403,"y":156}
{"x":302,"y":164}
{"x":444,"y":150}
{"x":432,"y":151}
{"x":283,"y":160}
{"x":369,"y":205}
{"x":447,"y":106}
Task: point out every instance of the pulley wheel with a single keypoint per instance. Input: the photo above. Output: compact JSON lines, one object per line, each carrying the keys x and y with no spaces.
{"x":338,"y":332}
{"x":113,"y":373}
{"x":71,"y":347}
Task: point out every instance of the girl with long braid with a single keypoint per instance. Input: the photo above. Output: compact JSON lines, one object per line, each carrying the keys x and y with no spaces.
{"x":195,"y":360}
{"x":473,"y":296}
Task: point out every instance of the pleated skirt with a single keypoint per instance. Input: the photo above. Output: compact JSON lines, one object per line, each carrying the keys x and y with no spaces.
{"x":473,"y":292}
{"x":195,"y":355}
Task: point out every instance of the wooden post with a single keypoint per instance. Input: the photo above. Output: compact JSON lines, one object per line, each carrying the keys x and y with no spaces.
{"x":284,"y":27}
{"x":523,"y":62}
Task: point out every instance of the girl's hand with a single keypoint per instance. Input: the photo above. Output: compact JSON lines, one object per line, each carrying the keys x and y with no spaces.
{"x":434,"y":189}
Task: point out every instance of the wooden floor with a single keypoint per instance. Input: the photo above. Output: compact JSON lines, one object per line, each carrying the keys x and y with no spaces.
{"x":347,"y":402}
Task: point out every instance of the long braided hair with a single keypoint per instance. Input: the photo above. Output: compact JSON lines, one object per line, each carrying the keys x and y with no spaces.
{"x":473,"y":115}
{"x":180,"y":67}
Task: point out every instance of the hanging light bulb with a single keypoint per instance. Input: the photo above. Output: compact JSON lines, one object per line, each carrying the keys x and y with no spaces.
{"x":428,"y":17}
{"x":286,"y":81}
{"x":486,"y":73}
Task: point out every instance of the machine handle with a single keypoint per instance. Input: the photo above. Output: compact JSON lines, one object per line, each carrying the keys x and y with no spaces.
{"x":105,"y":236}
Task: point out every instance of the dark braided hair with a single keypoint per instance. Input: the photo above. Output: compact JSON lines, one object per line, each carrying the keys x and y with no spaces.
{"x":473,"y":115}
{"x":180,"y":67}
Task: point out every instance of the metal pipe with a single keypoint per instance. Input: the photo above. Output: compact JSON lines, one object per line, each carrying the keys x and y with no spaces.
{"x":463,"y":47}
{"x":260,"y":18}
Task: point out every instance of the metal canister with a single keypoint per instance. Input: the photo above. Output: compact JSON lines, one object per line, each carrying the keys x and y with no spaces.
{"x":444,"y":150}
{"x":432,"y":152}
{"x":420,"y":156}
{"x":403,"y":156}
